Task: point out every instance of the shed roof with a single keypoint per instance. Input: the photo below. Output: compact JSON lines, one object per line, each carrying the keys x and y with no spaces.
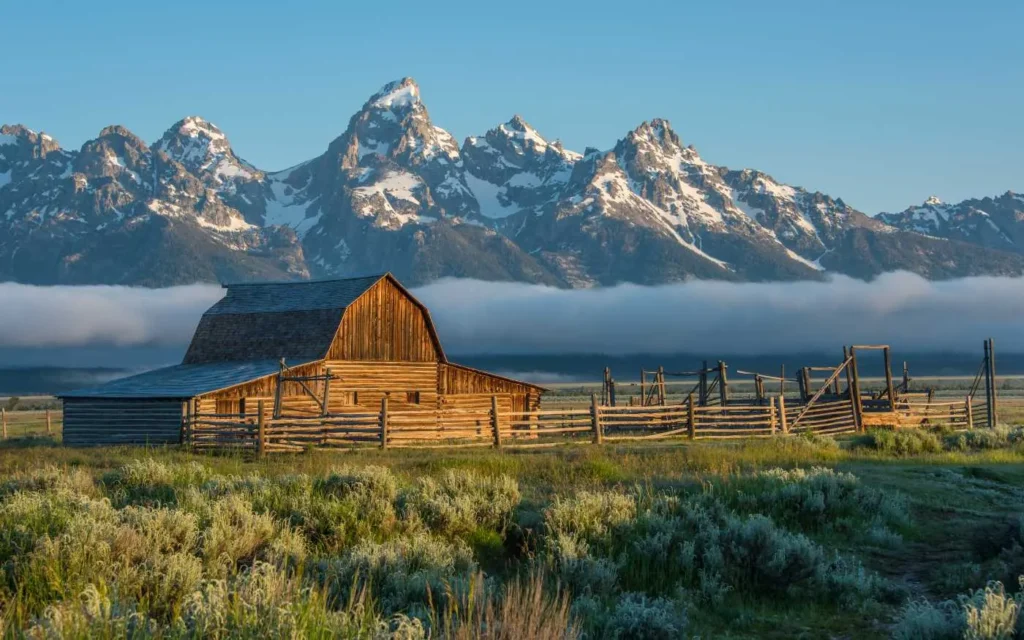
{"x":184,"y":380}
{"x":256,"y":321}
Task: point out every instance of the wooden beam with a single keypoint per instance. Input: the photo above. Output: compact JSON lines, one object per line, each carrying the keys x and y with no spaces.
{"x":821,"y":391}
{"x":887,"y":359}
{"x":261,"y":433}
{"x":723,"y":384}
{"x":384,"y":422}
{"x":595,"y":420}
{"x":495,"y":429}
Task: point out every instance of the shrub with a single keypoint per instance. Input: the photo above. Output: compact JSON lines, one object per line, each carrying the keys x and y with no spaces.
{"x":638,"y":617}
{"x":817,"y":499}
{"x":151,"y":482}
{"x":399,"y":571}
{"x":904,"y":442}
{"x":999,"y":437}
{"x":461,"y":501}
{"x":986,"y":614}
{"x":692,"y":543}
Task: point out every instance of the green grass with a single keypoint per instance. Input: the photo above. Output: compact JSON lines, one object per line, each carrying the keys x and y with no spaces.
{"x":821,"y":539}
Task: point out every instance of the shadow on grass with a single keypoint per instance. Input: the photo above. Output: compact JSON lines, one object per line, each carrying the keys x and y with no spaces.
{"x":26,"y":442}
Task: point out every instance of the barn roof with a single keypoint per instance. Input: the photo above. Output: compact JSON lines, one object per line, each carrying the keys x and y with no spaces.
{"x":257,"y":321}
{"x":184,"y":380}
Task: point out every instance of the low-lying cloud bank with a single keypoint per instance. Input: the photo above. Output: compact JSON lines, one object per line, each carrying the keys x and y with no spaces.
{"x":65,"y":316}
{"x":475,"y":317}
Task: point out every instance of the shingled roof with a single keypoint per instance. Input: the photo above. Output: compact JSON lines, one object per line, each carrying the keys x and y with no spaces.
{"x":275,"y":319}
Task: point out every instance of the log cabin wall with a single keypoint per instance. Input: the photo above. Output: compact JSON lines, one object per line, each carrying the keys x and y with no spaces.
{"x":357,"y":387}
{"x":244,"y":399}
{"x":465,"y":387}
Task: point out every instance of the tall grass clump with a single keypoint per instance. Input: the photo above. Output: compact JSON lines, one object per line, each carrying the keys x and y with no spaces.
{"x":988,"y":613}
{"x":150,"y":482}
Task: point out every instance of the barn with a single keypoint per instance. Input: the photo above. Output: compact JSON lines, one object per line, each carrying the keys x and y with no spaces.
{"x":304,"y":349}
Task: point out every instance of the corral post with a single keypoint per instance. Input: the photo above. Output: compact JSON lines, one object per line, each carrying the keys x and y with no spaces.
{"x":782,"y":380}
{"x":970,"y":412}
{"x":277,"y":392}
{"x":858,"y":408}
{"x":384,"y":422}
{"x":849,"y":378}
{"x":49,"y":428}
{"x":704,"y":383}
{"x":887,"y":357}
{"x":611,"y":388}
{"x":782,"y":415}
{"x":595,"y":420}
{"x":661,"y":386}
{"x":494,"y":422}
{"x":327,"y":393}
{"x":906,"y":378}
{"x":773,"y":418}
{"x":992,"y":378}
{"x":261,"y":434}
{"x":643,"y":392}
{"x":723,"y":384}
{"x":3,"y":419}
{"x":691,"y":414}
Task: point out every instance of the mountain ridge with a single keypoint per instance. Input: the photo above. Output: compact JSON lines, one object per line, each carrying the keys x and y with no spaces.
{"x":395,"y":192}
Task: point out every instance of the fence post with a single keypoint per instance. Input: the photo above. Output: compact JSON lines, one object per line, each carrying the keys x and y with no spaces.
{"x":970,"y":412}
{"x":327,"y":393}
{"x":49,"y":428}
{"x":723,"y":384}
{"x":494,"y":422}
{"x":3,"y":419}
{"x":992,"y":377}
{"x":887,"y":358}
{"x":611,"y":389}
{"x":691,"y":427}
{"x":782,"y":415}
{"x":384,"y":422}
{"x":858,"y":408}
{"x":261,"y":434}
{"x":595,"y":419}
{"x":773,"y":417}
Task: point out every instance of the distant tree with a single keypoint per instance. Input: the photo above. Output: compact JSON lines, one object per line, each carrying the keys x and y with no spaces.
{"x":12,"y":403}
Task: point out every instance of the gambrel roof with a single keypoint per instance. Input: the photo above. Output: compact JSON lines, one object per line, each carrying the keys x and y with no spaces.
{"x":282,"y":319}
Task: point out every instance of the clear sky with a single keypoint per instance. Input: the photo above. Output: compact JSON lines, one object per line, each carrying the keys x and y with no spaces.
{"x":879,"y":103}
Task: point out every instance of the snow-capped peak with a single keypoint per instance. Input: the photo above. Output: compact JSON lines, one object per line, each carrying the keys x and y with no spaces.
{"x":204,"y":149}
{"x":398,"y":94}
{"x":932,"y":201}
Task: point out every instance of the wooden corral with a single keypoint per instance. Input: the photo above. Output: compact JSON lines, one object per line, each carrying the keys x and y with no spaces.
{"x":299,"y":350}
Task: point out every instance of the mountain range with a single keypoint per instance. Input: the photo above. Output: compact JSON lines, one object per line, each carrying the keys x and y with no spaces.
{"x":395,"y":192}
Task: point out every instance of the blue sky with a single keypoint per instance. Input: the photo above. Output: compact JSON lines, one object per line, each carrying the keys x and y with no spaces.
{"x":879,"y":103}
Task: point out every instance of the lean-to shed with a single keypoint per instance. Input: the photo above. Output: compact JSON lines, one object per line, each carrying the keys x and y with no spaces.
{"x":303,"y":348}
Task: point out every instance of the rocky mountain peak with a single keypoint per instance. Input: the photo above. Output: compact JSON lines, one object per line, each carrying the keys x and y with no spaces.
{"x":932,"y":201}
{"x":206,"y":151}
{"x":400,"y":95}
{"x":20,"y":140}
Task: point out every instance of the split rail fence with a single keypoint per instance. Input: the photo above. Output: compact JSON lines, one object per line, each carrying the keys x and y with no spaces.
{"x":498,"y":428}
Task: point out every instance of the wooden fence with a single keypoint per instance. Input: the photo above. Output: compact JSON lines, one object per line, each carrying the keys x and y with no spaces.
{"x":499,"y":427}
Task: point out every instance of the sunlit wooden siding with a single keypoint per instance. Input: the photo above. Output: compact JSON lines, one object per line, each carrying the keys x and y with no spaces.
{"x":385,"y":324}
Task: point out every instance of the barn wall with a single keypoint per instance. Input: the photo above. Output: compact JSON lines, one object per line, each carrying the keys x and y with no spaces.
{"x":384,"y":324}
{"x":106,"y":421}
{"x":359,"y":386}
{"x":463,"y":387}
{"x":295,"y":400}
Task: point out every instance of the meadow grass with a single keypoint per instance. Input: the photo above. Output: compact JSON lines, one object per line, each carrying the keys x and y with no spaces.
{"x":770,"y":538}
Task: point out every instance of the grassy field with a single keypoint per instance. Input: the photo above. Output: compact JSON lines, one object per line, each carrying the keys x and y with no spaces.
{"x":873,"y":536}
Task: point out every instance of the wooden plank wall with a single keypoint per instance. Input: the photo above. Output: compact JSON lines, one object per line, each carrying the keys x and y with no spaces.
{"x":106,"y":421}
{"x":358,"y":386}
{"x":384,"y":325}
{"x":463,"y":387}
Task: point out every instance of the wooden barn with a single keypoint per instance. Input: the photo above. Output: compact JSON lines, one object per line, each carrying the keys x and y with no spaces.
{"x":303,"y":348}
